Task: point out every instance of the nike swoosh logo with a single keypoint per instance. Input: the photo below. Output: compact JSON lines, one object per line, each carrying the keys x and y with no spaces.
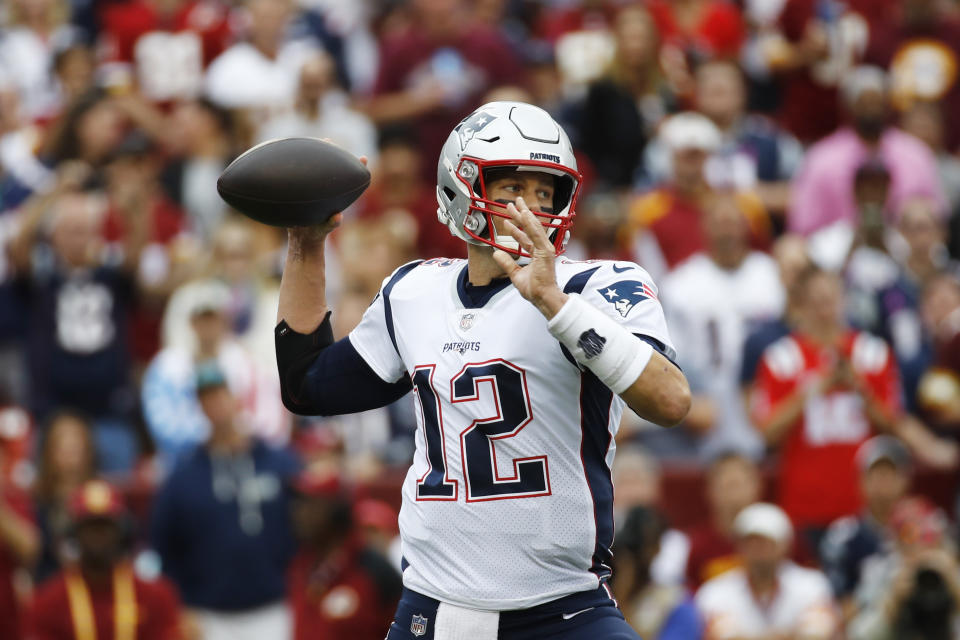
{"x":622,"y":269}
{"x":567,"y":616}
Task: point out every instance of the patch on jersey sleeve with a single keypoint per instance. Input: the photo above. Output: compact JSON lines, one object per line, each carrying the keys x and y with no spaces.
{"x":626,"y":294}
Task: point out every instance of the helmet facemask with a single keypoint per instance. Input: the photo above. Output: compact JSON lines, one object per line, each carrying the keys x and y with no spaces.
{"x":478,"y":224}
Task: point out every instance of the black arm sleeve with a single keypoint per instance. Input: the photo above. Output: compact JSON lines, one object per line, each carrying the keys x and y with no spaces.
{"x":321,"y":377}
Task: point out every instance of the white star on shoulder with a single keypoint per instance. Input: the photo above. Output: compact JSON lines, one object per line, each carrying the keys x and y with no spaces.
{"x":611,"y":293}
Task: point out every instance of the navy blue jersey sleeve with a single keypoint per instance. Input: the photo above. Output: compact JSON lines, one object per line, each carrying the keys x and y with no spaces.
{"x":321,"y":377}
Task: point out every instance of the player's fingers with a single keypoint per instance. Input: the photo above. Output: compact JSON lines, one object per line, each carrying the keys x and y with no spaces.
{"x":531,"y":225}
{"x":519,"y":235}
{"x":508,"y":264}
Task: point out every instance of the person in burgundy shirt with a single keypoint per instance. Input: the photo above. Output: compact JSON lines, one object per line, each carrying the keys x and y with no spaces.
{"x":733,"y":483}
{"x":101,"y":598}
{"x":919,"y":45}
{"x":820,"y":392}
{"x":433,"y":72}
{"x":338,"y":587}
{"x":19,"y":546}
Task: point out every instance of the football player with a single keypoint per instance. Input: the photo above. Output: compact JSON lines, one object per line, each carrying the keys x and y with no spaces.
{"x":520,"y":364}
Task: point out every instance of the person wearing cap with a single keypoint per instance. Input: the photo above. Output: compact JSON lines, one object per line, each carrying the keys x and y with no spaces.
{"x":769,"y":596}
{"x":885,"y":467}
{"x":823,"y":190}
{"x":338,"y":585}
{"x":101,"y":597}
{"x":912,"y":590}
{"x":169,"y":395}
{"x":665,"y":222}
{"x":220,"y":521}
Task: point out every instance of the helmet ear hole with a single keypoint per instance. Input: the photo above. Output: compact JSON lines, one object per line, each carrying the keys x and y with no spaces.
{"x":449,"y":193}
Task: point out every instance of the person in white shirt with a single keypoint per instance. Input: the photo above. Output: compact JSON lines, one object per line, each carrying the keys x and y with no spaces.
{"x":712,"y":300}
{"x":769,"y":597}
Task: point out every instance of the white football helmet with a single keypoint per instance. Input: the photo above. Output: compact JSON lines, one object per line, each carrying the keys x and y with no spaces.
{"x":498,"y":135}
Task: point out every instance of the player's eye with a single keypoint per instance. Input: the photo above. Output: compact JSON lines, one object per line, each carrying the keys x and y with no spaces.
{"x":544,"y":194}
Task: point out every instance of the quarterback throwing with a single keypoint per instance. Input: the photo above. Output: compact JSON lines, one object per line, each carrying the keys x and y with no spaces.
{"x":521,"y":364}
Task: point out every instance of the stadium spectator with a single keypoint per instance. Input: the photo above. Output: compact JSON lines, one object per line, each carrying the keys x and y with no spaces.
{"x":171,"y":406}
{"x":819,"y":394}
{"x":655,"y":611}
{"x":637,"y":475}
{"x":79,"y":312}
{"x":600,"y":218}
{"x":938,"y":393}
{"x":321,"y":110}
{"x":437,"y":69}
{"x":769,"y":596}
{"x":202,"y":141}
{"x":790,"y":252}
{"x":711,"y":300}
{"x":754,"y":153}
{"x":339,"y":587}
{"x":19,"y":548}
{"x":88,"y":130}
{"x":885,"y":468}
{"x":260,"y":73}
{"x":733,"y":482}
{"x":397,"y":184}
{"x":912,"y":590}
{"x":811,"y":48}
{"x":823,"y":190}
{"x":919,"y":45}
{"x":667,"y":220}
{"x":163,"y":45}
{"x":136,"y":204}
{"x":622,"y":108}
{"x":36,"y":31}
{"x":100,"y":595}
{"x":927,"y":121}
{"x":67,"y":460}
{"x":221,"y":523}
{"x":700,"y":29}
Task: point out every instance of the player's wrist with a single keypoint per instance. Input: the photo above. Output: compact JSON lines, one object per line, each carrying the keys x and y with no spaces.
{"x":598,"y":342}
{"x":550,"y":302}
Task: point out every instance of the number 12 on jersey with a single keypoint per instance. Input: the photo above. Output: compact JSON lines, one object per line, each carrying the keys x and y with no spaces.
{"x":507,"y":384}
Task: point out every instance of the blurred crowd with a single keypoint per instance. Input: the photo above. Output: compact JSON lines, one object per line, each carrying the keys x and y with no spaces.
{"x":787,"y":170}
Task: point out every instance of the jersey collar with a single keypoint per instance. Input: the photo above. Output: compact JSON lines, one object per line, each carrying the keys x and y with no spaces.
{"x":474,"y":297}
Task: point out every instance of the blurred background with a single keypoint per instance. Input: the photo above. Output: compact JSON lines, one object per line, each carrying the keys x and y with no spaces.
{"x":787,"y":170}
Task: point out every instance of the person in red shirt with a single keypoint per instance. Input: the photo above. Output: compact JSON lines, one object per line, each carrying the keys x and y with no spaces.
{"x":100,"y":598}
{"x":19,"y":543}
{"x":168,"y":42}
{"x":704,"y":28}
{"x":820,"y":392}
{"x":338,"y":587}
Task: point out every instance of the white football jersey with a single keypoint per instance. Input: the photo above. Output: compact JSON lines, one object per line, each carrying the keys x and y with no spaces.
{"x":711,"y":312}
{"x":508,"y":503}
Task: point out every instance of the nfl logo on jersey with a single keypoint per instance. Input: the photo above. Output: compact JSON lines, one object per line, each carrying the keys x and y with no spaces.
{"x":418,"y":626}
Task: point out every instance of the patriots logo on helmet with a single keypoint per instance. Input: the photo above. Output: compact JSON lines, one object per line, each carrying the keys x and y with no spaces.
{"x":625,"y":295}
{"x":472,"y":125}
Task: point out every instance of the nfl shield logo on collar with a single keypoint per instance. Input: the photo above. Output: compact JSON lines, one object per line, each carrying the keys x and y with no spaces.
{"x":418,"y":626}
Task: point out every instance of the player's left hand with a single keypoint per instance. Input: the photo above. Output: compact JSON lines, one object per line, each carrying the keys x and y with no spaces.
{"x":536,"y":281}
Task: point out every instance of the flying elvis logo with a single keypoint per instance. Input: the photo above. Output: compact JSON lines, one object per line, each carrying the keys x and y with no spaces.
{"x":625,"y":295}
{"x":472,"y":125}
